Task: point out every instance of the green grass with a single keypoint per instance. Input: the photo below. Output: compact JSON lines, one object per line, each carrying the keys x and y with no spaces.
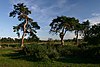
{"x":10,"y":58}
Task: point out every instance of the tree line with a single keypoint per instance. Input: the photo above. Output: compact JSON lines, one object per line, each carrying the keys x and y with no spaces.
{"x":18,"y":40}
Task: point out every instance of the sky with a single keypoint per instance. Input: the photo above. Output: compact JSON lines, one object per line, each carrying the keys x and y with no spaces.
{"x":44,"y":11}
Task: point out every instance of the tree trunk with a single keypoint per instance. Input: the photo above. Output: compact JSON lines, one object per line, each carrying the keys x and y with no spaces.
{"x":0,"y":46}
{"x":62,"y":41}
{"x":22,"y":44}
{"x":62,"y":36}
{"x":77,"y":42}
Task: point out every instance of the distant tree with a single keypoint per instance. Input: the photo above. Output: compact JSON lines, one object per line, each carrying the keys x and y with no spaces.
{"x":50,"y":39}
{"x":33,"y":38}
{"x":27,"y":25}
{"x":61,"y":25}
{"x":4,"y":40}
{"x":16,"y":40}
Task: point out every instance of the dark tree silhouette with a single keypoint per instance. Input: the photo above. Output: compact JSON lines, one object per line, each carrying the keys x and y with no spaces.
{"x":93,"y":35}
{"x":61,"y":25}
{"x":27,"y":25}
{"x":86,"y":27}
{"x":78,"y":29}
{"x":81,"y":29}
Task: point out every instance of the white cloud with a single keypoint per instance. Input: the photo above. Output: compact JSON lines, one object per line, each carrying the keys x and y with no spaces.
{"x":57,"y":5}
{"x":69,"y":35}
{"x":94,"y":19}
{"x":95,"y":14}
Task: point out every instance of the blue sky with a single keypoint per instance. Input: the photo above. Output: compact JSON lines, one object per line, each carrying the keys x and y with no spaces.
{"x":43,"y":11}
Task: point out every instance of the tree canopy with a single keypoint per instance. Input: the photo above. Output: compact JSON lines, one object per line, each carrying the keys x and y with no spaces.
{"x":63,"y":24}
{"x":93,"y":35}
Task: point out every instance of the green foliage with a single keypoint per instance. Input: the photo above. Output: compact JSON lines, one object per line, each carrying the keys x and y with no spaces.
{"x":33,"y":38}
{"x":20,"y":9}
{"x":41,"y":52}
{"x":10,"y":45}
{"x":88,"y":57}
{"x":27,"y":25}
{"x":93,"y":35}
{"x":81,"y":29}
{"x":67,"y":23}
{"x":63,"y":24}
{"x":92,"y":52}
{"x":44,"y":52}
{"x":52,"y":52}
{"x":11,"y":58}
{"x":66,"y":51}
{"x":6,"y":40}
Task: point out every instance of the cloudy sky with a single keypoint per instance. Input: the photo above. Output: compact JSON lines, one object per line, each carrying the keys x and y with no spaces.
{"x":43,"y":11}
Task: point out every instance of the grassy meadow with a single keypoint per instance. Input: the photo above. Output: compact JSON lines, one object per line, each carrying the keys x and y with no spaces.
{"x":10,"y":57}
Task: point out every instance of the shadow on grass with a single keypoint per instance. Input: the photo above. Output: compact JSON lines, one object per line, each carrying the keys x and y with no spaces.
{"x":18,"y":54}
{"x":80,"y":60}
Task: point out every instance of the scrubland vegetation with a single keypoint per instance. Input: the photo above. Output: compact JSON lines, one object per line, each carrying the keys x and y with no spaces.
{"x":44,"y":55}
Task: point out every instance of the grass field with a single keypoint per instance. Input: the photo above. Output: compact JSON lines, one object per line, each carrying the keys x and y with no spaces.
{"x":10,"y":58}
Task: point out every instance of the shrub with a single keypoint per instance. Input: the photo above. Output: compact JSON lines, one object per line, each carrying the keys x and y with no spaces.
{"x":41,"y":52}
{"x":52,"y":53}
{"x":92,"y":52}
{"x":37,"y":51}
{"x":63,"y":51}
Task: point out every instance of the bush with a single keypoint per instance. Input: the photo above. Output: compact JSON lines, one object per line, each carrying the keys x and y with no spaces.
{"x":70,"y":50}
{"x":41,"y":52}
{"x":37,"y":51}
{"x":92,"y":52}
{"x":52,"y":53}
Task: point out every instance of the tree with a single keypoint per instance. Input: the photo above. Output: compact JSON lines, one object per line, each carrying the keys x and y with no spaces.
{"x":61,"y":25}
{"x":27,"y":26}
{"x":86,"y":27}
{"x":33,"y":38}
{"x":78,"y":29}
{"x":81,"y":28}
{"x":93,"y":35}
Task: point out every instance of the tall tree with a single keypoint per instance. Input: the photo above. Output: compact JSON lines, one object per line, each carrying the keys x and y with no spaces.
{"x":27,"y":26}
{"x":78,"y":29}
{"x":86,"y":27}
{"x":81,"y":29}
{"x":61,"y":25}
